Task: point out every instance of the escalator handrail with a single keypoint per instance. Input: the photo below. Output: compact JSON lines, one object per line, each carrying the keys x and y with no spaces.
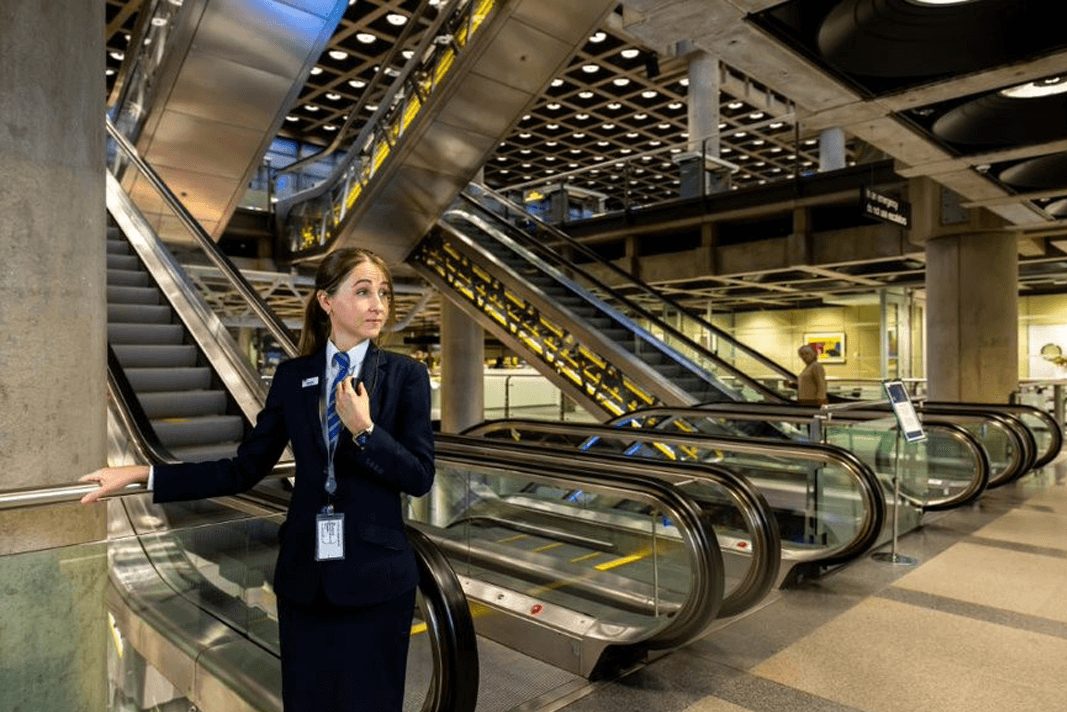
{"x":580,"y":247}
{"x":983,"y":478}
{"x":704,"y":601}
{"x":866,"y":482}
{"x":456,"y":689}
{"x":1022,"y":440}
{"x":226,"y":268}
{"x":1013,"y":409}
{"x":759,"y":518}
{"x":534,"y":251}
{"x":283,"y":207}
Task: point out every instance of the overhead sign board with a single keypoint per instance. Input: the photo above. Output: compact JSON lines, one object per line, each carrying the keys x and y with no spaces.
{"x":884,"y":208}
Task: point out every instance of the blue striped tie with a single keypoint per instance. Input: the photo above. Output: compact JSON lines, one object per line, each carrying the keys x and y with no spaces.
{"x":333,"y":420}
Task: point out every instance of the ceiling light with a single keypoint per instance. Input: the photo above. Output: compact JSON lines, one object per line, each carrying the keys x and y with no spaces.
{"x":614,"y":106}
{"x":501,"y":158}
{"x":586,"y":94}
{"x":684,"y":81}
{"x":557,"y":82}
{"x":526,"y":165}
{"x":590,"y":68}
{"x":632,"y":134}
{"x":525,"y":134}
{"x":311,"y":107}
{"x":620,"y":81}
{"x":366,"y":37}
{"x":630,"y":53}
{"x":572,"y":165}
{"x":641,"y":117}
{"x":756,"y":115}
{"x":626,"y":150}
{"x":408,"y":53}
{"x":654,"y":143}
{"x":156,"y":22}
{"x":337,"y":54}
{"x":579,"y":135}
{"x":741,"y":134}
{"x":598,"y":37}
{"x":601,"y":143}
{"x":372,"y":107}
{"x":777,"y":125}
{"x":576,"y":150}
{"x":552,"y":127}
{"x":396,"y":19}
{"x":675,"y":105}
{"x":735,"y":105}
{"x":525,"y":151}
{"x":290,"y":117}
{"x":650,"y":94}
{"x":1033,"y":90}
{"x":663,"y":126}
{"x":117,"y":55}
{"x":551,"y":143}
{"x":553,"y":106}
{"x":758,"y":142}
{"x":581,"y":117}
{"x":330,"y":127}
{"x":316,"y":70}
{"x":608,"y":127}
{"x":357,"y":83}
{"x":332,"y":96}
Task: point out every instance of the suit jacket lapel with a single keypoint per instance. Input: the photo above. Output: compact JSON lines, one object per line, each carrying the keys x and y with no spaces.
{"x":372,"y":373}
{"x":314,"y":401}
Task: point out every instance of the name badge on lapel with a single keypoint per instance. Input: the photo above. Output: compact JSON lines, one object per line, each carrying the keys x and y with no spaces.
{"x":308,"y":382}
{"x":329,"y":537}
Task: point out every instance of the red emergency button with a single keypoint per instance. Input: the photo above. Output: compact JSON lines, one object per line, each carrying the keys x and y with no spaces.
{"x":537,"y":608}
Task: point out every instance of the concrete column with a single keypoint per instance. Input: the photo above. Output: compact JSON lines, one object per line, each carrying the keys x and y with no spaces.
{"x":832,"y":154}
{"x":703,"y":123}
{"x":462,"y":370}
{"x":703,"y":109}
{"x":972,"y":317}
{"x":52,"y":380}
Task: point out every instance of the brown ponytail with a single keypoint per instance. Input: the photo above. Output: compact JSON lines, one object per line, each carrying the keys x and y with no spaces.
{"x":332,"y":272}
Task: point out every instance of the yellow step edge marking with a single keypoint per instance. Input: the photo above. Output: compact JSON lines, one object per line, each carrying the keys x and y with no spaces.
{"x":546,"y":547}
{"x":511,"y":538}
{"x":619,"y":562}
{"x":585,"y":557}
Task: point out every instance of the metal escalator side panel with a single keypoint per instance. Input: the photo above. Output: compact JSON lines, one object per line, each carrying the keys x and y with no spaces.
{"x":227,"y":74}
{"x":516,"y":49}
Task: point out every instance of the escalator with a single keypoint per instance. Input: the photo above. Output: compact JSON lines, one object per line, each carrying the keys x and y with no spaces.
{"x":590,"y":618}
{"x":828,"y":506}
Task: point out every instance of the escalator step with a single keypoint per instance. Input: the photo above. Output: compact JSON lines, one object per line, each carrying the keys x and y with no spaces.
{"x":115,"y":234}
{"x":119,"y":261}
{"x":138,"y":313}
{"x":133,"y":295}
{"x":154,"y":380}
{"x":145,"y":333}
{"x":202,"y":453}
{"x":155,"y":356}
{"x":183,"y":404}
{"x":202,"y":429}
{"x":127,"y":278}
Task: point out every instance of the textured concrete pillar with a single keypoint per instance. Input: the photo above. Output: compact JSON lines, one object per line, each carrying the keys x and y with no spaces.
{"x":462,"y":370}
{"x":52,"y":377}
{"x":703,"y":109}
{"x":832,"y":155}
{"x":972,"y":314}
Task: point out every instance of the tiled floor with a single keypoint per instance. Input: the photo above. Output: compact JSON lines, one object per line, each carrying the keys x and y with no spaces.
{"x":979,"y":623}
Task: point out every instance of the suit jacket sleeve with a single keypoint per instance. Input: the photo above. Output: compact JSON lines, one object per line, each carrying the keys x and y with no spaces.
{"x":403,"y":456}
{"x":255,"y":458}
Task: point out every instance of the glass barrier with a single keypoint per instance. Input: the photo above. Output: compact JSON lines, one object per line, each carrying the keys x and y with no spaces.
{"x":616,"y":559}
{"x":220,"y":560}
{"x":53,"y":630}
{"x":819,"y":501}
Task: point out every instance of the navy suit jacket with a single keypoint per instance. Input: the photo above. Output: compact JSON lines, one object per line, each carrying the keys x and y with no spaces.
{"x":379,"y":563}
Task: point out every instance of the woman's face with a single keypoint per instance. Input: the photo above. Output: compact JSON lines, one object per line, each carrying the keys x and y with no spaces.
{"x":360,"y":306}
{"x":807,"y":354}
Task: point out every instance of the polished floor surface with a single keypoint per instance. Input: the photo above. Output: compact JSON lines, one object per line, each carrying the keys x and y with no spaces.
{"x":978,"y":622}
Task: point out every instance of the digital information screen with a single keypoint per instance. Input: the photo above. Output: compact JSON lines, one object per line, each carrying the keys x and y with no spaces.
{"x":907,"y":418}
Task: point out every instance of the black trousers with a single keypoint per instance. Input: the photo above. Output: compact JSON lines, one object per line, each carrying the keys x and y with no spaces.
{"x":344,"y":659}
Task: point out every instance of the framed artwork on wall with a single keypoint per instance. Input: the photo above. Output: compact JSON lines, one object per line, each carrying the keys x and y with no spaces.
{"x":829,"y":346}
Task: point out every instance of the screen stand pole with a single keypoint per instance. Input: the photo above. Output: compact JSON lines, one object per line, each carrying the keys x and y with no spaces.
{"x":891,"y":556}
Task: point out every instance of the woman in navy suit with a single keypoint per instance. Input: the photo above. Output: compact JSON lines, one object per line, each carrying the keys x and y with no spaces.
{"x":346,"y":576}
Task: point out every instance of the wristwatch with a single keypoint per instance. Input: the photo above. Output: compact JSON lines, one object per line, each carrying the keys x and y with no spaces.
{"x":360,"y":438}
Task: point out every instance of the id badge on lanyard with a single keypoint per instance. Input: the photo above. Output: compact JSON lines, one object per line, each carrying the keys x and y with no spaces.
{"x":329,"y":528}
